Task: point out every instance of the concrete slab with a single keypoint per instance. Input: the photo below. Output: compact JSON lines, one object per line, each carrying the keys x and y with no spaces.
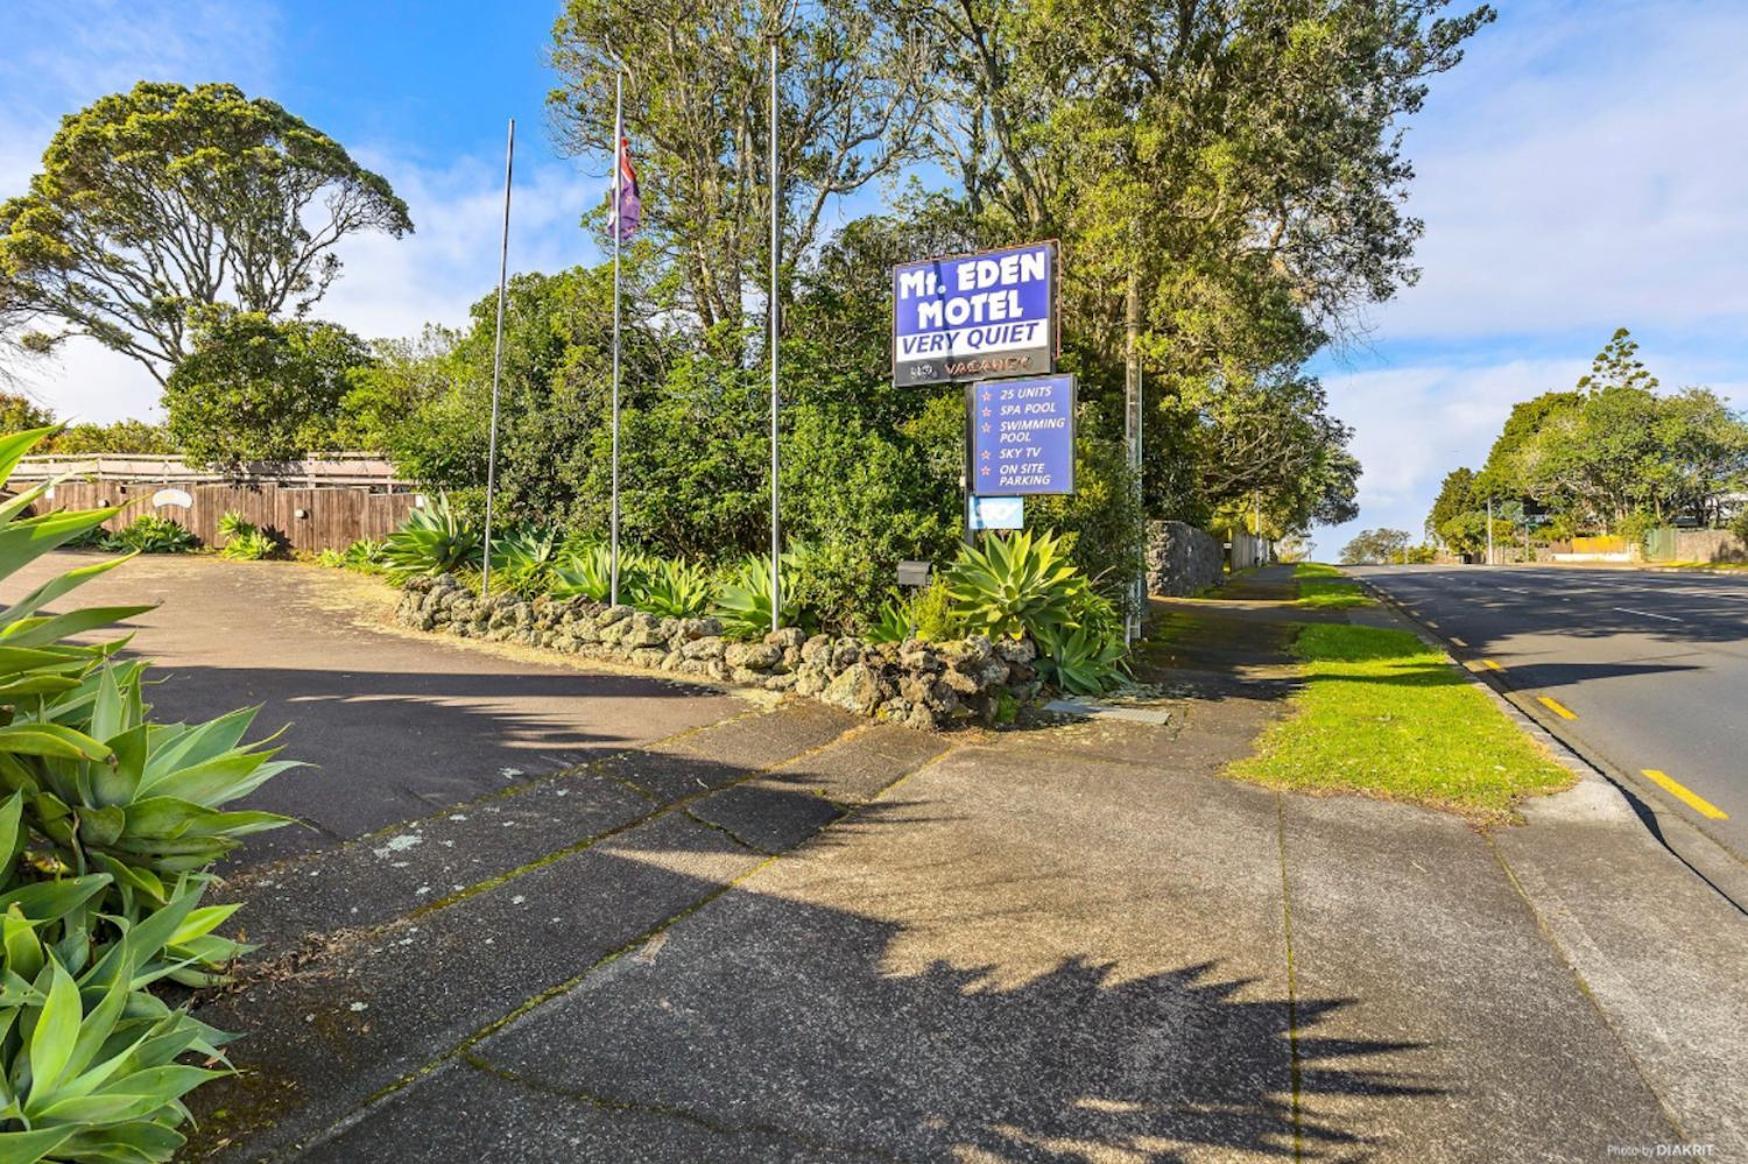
{"x":381,"y":1005}
{"x":380,"y":877}
{"x":725,"y":752}
{"x":767,"y":815}
{"x":862,"y":764}
{"x":484,"y":1116}
{"x":990,"y":974}
{"x":1661,"y":952}
{"x":1477,"y":1039}
{"x":775,"y":813}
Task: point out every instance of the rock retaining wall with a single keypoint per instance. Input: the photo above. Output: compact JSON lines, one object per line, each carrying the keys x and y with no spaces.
{"x":1181,"y":559}
{"x":924,"y":685}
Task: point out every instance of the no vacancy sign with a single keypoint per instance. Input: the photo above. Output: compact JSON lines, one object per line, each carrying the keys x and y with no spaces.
{"x":975,"y":317}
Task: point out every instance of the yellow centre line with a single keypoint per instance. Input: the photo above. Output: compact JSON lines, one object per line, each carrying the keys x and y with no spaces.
{"x":1491,"y":665}
{"x":1693,"y":800}
{"x":1458,"y":641}
{"x":1555,"y":706}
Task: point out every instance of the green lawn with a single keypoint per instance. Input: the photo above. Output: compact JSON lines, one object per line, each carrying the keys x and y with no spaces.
{"x":1326,"y":588}
{"x":1382,"y":714}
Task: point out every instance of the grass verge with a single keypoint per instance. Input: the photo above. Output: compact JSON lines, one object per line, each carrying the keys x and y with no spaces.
{"x":1326,"y":588}
{"x":1382,"y":714}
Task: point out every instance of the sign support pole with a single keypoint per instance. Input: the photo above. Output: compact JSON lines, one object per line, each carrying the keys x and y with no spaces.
{"x":967,"y":487}
{"x":618,"y":222}
{"x":776,"y":243}
{"x":485,"y":584}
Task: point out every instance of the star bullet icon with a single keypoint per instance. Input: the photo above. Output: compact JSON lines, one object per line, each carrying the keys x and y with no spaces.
{"x":986,"y":470}
{"x":987,"y":412}
{"x":986,"y":427}
{"x":986,"y":454}
{"x":987,"y":397}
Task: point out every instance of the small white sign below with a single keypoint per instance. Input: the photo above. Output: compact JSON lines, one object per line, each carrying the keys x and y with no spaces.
{"x":180,"y":498}
{"x":998,"y":512}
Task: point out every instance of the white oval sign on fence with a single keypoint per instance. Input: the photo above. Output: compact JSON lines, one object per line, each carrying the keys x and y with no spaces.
{"x":180,"y":497}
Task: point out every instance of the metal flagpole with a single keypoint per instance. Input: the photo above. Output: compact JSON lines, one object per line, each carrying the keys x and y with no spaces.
{"x":485,"y":584}
{"x":1133,"y":625}
{"x":776,"y":215}
{"x":618,"y":229}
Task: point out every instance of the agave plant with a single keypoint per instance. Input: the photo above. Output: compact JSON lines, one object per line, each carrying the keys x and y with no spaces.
{"x":585,"y":570}
{"x":523,"y":560}
{"x":891,"y":623}
{"x":90,"y":1058}
{"x":670,"y":588}
{"x":1082,"y":660}
{"x":1015,"y":585}
{"x":244,"y":540}
{"x":434,"y":540}
{"x":743,"y":603}
{"x":364,"y":555}
{"x":106,"y":791}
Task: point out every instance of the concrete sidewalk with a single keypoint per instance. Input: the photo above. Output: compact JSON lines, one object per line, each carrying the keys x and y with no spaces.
{"x":1077,"y":942}
{"x":686,"y":927}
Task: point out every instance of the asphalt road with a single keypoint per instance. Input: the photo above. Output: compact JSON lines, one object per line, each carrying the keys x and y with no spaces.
{"x":1646,"y":670}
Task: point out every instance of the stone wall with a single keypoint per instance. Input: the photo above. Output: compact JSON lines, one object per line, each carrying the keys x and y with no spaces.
{"x":924,"y":685}
{"x":1182,"y":559}
{"x":1707,"y":545}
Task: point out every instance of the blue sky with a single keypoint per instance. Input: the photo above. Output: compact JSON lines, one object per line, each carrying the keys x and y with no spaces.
{"x":1582,"y":170}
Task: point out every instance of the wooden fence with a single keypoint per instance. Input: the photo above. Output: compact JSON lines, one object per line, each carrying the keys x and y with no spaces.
{"x":301,"y":518}
{"x":339,"y":469}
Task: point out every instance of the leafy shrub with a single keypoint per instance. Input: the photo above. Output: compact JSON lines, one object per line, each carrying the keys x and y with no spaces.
{"x":927,"y":614}
{"x":364,"y":555}
{"x":670,"y":588}
{"x":1014,"y":585}
{"x":433,"y":540}
{"x":244,"y":540}
{"x":151,"y":534}
{"x":743,"y":600}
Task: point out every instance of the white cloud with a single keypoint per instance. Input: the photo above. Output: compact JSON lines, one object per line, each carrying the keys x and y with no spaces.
{"x":1582,"y":169}
{"x":392,"y":287}
{"x":1415,"y":424}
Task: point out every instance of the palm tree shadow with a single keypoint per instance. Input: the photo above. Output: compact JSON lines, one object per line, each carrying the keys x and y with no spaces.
{"x":768,"y":1015}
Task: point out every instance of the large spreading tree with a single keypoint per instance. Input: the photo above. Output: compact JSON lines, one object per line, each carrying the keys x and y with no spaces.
{"x":1611,"y":454}
{"x":165,"y":199}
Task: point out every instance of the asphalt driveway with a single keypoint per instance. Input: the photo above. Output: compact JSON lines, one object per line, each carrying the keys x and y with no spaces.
{"x":393,"y":725}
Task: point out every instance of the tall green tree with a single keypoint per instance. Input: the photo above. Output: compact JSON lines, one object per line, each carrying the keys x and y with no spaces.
{"x":697,"y":113}
{"x":166,"y":198}
{"x":1376,"y":547}
{"x":1615,"y":451}
{"x":258,"y":390}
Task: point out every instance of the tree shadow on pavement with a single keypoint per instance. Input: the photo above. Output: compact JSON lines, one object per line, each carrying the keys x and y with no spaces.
{"x":382,"y":747}
{"x":768,"y":1016}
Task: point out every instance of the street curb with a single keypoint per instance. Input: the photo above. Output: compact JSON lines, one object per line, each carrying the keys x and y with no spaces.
{"x":1603,"y":792}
